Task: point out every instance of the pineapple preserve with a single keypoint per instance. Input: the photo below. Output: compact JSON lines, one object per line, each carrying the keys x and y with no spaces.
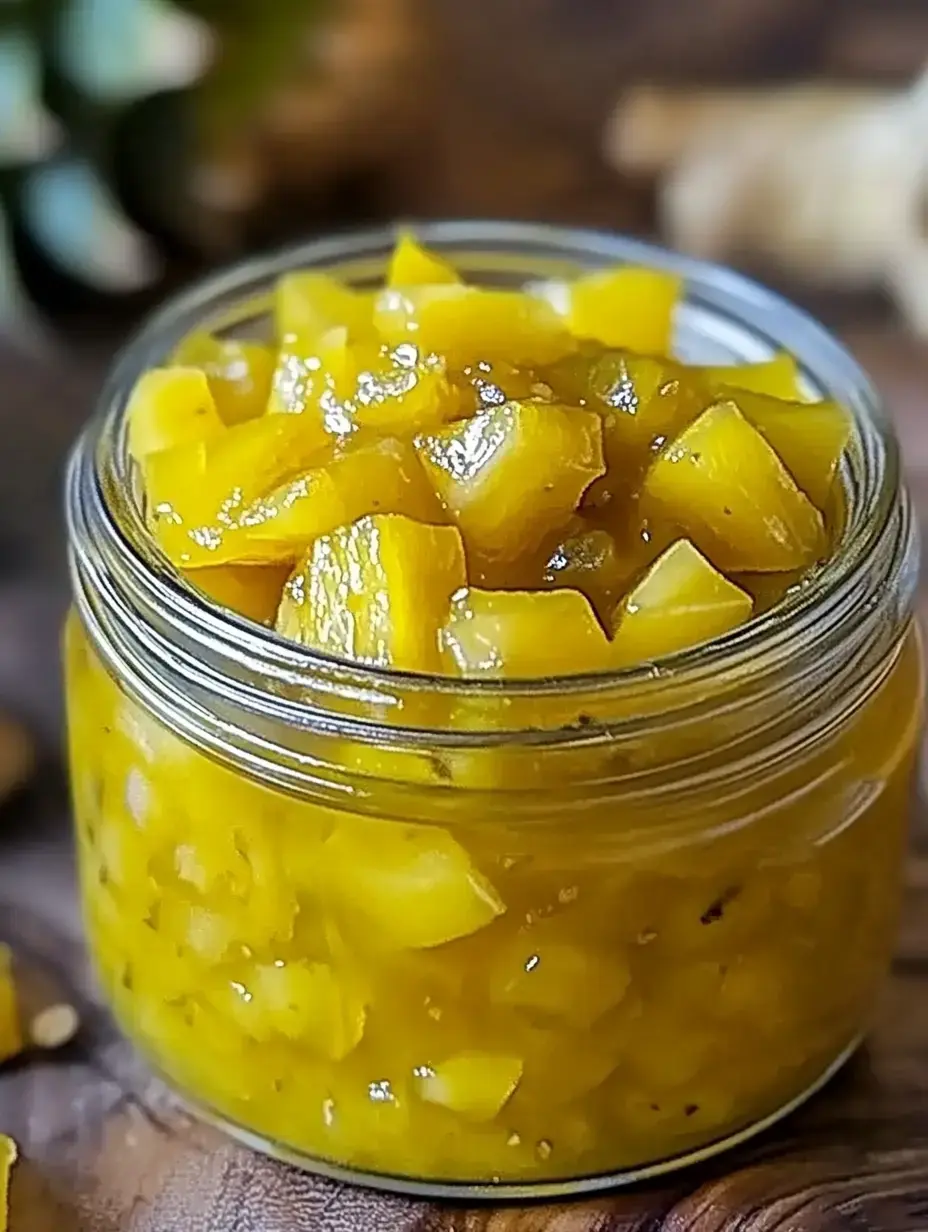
{"x":493,"y":698}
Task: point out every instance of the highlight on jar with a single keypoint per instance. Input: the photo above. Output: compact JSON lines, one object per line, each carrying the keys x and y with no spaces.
{"x":613,"y":881}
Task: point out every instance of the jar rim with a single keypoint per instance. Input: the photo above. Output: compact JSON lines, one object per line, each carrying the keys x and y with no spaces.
{"x":104,"y":517}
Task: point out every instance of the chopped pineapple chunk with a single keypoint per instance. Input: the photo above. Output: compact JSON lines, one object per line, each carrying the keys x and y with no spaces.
{"x":809,"y":437}
{"x":413,"y":265}
{"x":467,"y":323}
{"x":350,"y":385}
{"x":681,"y":601}
{"x":727,"y":489}
{"x":538,"y":970}
{"x":307,"y":303}
{"x":377,"y":591}
{"x":414,"y":885}
{"x":239,"y":373}
{"x":197,"y":493}
{"x":626,"y":307}
{"x":475,"y":1084}
{"x":523,"y":634}
{"x":382,"y":476}
{"x":512,"y":474}
{"x":251,"y":590}
{"x":777,"y":377}
{"x":168,"y":407}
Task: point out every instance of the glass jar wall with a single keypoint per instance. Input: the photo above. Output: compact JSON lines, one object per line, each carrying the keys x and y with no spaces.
{"x":529,"y":938}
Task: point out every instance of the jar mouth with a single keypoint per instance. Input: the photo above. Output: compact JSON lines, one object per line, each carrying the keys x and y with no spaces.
{"x":725,"y":316}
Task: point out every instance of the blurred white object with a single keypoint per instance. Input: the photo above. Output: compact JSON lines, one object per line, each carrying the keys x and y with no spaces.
{"x":827,"y":183}
{"x":119,"y":50}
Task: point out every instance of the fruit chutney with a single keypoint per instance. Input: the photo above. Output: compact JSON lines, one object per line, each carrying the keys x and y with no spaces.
{"x":493,"y":697}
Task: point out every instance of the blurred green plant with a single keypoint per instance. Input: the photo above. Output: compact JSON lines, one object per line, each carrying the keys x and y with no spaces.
{"x":107,"y":110}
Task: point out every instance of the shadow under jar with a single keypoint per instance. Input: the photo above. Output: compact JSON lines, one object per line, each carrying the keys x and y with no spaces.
{"x":579,"y":932}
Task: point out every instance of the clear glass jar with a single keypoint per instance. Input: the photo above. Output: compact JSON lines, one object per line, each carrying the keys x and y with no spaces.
{"x":581,"y":931}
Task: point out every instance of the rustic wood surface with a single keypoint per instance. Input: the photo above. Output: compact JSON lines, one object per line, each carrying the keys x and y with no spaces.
{"x":107,"y":1150}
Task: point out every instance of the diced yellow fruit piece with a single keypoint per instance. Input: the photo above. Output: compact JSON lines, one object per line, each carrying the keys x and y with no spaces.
{"x":307,"y":303}
{"x":377,"y":591}
{"x":626,"y":307}
{"x":810,"y":438}
{"x":239,"y":373}
{"x":384,"y":476}
{"x":413,"y":265}
{"x":468,"y":324}
{"x":251,"y":590}
{"x":196,"y":493}
{"x":681,"y":601}
{"x":474,"y":1084}
{"x":11,"y":1034}
{"x":777,"y":377}
{"x":414,"y":885}
{"x":642,"y":400}
{"x":8,"y":1155}
{"x":589,"y":561}
{"x":538,"y":971}
{"x":168,"y":407}
{"x":515,"y":634}
{"x":727,"y":489}
{"x":302,"y":1001}
{"x":348,"y":385}
{"x":514,"y":473}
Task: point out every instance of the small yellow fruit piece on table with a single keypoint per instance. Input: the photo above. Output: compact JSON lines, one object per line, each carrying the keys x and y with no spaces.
{"x":727,"y":490}
{"x":8,"y":1154}
{"x":681,"y":601}
{"x":415,"y":886}
{"x":524,"y":634}
{"x":777,"y":377}
{"x":197,"y":493}
{"x":626,"y":307}
{"x":377,"y":591}
{"x":11,"y":1031}
{"x":512,"y":474}
{"x":809,"y":437}
{"x":168,"y":407}
{"x":475,"y":1084}
{"x":413,"y":265}
{"x":307,"y":303}
{"x":468,"y":324}
{"x":239,"y":373}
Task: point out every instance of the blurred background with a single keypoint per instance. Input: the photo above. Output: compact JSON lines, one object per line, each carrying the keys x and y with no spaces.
{"x":143,"y":141}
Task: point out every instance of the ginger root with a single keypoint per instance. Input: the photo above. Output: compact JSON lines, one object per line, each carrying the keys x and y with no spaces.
{"x":827,"y":183}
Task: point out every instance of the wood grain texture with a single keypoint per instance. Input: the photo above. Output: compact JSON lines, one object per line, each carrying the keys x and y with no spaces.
{"x":107,"y":1149}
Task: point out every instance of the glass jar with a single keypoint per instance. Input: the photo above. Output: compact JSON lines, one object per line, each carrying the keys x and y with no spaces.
{"x":479,"y":939}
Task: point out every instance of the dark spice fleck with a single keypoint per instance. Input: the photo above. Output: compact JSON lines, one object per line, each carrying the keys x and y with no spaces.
{"x":691,"y":1110}
{"x":442,"y":769}
{"x":726,"y":511}
{"x":716,"y":910}
{"x":655,"y":1107}
{"x":584,"y":720}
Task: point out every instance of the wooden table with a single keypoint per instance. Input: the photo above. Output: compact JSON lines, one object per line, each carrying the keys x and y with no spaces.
{"x":105,"y":1148}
